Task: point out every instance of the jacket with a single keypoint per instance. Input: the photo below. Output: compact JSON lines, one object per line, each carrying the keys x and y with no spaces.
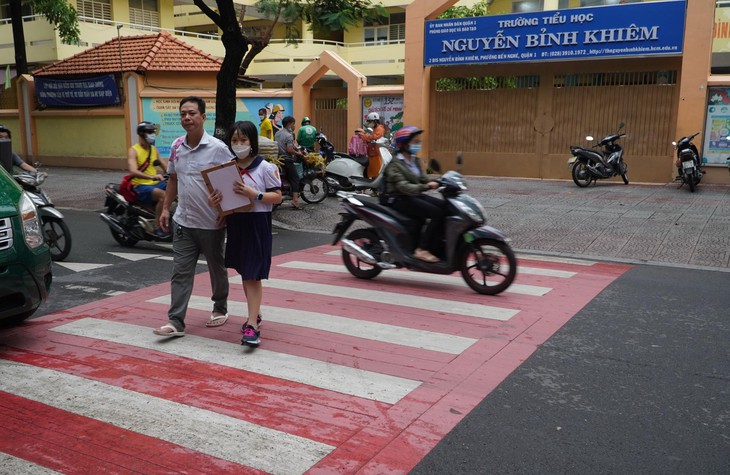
{"x":401,"y":181}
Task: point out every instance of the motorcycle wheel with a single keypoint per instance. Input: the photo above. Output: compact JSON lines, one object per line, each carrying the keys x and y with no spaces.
{"x":315,"y":190}
{"x":690,"y":180}
{"x":121,"y":238}
{"x":624,"y":172}
{"x":488,"y":258}
{"x":368,"y":240}
{"x":581,"y":176}
{"x":58,"y":238}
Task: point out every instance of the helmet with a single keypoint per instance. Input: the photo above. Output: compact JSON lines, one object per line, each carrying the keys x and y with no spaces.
{"x":145,"y":127}
{"x":5,"y":129}
{"x":278,"y":108}
{"x":404,"y":135}
{"x":373,"y":116}
{"x":306,"y":120}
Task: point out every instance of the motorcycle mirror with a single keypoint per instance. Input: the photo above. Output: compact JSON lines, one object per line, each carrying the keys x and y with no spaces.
{"x":459,"y":161}
{"x":434,"y":165}
{"x":621,"y":126}
{"x":589,"y":138}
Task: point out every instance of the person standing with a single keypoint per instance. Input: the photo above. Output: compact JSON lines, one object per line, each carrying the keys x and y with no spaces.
{"x":143,"y":161}
{"x":375,"y":161}
{"x":266,"y":129}
{"x":307,"y":135}
{"x":197,"y":227}
{"x":249,"y":241}
{"x":290,"y":154}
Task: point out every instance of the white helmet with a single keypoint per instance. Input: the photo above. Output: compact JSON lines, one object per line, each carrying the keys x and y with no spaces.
{"x":373,"y":116}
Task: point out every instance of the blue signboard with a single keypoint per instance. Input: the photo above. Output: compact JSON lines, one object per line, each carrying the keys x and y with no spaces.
{"x":97,"y":91}
{"x":637,"y":29}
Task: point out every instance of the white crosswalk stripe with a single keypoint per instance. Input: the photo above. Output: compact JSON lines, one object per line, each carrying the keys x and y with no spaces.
{"x":522,"y":289}
{"x":198,"y":429}
{"x":342,"y":379}
{"x":344,"y":326}
{"x":392,"y":298}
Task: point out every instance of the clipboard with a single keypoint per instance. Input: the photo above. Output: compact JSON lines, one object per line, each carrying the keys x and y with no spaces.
{"x":222,"y":177}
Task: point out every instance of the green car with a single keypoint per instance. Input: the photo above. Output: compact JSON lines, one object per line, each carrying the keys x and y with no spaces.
{"x":25,"y":260}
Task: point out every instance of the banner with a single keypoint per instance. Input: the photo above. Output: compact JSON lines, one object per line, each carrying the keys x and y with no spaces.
{"x":637,"y":29}
{"x":716,"y":144}
{"x":97,"y":91}
{"x":390,"y":109}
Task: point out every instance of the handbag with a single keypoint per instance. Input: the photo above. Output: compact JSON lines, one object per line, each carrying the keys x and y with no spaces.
{"x":126,"y":188}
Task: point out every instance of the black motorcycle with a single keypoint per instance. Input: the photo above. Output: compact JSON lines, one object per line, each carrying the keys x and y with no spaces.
{"x":688,"y":162}
{"x":128,"y":222}
{"x":313,"y":187}
{"x":591,"y":164}
{"x":481,"y":253}
{"x":56,"y":232}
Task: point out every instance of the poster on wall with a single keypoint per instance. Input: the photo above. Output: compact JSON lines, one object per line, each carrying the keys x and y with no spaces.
{"x":165,"y":111}
{"x":716,"y":144}
{"x":623,"y":30}
{"x":390,"y":109}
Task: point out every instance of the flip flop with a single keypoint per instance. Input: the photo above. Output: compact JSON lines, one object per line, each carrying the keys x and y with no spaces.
{"x":217,"y":320}
{"x":168,"y":330}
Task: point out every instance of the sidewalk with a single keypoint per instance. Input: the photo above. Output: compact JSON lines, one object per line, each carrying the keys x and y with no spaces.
{"x":647,"y":223}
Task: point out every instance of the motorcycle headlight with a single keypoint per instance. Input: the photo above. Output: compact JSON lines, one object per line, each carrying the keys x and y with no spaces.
{"x":32,"y":227}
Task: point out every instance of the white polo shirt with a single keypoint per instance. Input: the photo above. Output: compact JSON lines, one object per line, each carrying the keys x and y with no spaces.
{"x":193,"y":210}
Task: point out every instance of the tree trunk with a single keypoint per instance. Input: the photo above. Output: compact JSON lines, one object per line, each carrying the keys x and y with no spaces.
{"x":225,"y":101}
{"x":16,"y":16}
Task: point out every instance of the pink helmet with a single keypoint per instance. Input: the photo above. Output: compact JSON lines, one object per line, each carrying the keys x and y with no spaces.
{"x":404,"y":135}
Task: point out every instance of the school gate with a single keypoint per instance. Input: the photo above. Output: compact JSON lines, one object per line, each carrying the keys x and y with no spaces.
{"x":519,"y":120}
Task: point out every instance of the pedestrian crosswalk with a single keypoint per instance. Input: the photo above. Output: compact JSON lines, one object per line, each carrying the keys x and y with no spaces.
{"x":352,"y":375}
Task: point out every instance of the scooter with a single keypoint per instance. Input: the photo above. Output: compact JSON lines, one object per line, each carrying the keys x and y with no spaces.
{"x":128,"y":222}
{"x":56,"y":232}
{"x":481,"y":253}
{"x":688,"y":162}
{"x":591,"y":164}
{"x":346,"y":172}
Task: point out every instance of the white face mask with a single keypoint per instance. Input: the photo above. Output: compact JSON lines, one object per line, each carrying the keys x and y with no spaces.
{"x":150,"y":138}
{"x":241,"y":151}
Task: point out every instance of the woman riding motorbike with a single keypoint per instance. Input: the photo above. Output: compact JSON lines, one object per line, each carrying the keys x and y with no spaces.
{"x":405,"y":184}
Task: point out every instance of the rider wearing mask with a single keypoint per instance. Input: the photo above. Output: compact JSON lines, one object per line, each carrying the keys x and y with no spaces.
{"x":405,"y":184}
{"x":375,"y":162}
{"x":143,"y":162}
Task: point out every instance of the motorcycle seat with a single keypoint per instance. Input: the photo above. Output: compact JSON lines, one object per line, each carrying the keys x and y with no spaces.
{"x":361,"y":160}
{"x":374,"y":204}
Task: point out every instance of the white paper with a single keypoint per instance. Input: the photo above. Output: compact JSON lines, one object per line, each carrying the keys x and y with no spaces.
{"x":223,"y":179}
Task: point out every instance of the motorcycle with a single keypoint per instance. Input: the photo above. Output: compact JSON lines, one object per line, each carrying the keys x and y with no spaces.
{"x":128,"y":222}
{"x":346,"y":172}
{"x":481,"y":253}
{"x":591,"y":164}
{"x":313,"y":187}
{"x":688,"y":162}
{"x":55,"y":231}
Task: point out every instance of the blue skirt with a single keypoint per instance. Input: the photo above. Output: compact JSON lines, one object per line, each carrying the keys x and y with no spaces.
{"x":248,"y":244}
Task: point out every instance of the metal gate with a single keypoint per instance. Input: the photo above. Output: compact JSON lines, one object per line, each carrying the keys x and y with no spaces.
{"x":329,"y":115}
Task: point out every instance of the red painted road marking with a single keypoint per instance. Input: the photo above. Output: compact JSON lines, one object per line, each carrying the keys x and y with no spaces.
{"x":368,"y":436}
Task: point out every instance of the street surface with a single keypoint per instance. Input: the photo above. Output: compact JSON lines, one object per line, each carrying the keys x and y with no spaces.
{"x":586,"y":365}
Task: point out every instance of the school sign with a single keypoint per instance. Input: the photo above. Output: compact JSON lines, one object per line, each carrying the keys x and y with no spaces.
{"x":630,"y":30}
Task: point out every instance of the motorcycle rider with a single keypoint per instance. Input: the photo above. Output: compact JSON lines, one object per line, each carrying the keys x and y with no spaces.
{"x":17,"y":161}
{"x":143,"y":161}
{"x":307,"y":134}
{"x":290,"y":154}
{"x":405,"y":184}
{"x":375,"y":162}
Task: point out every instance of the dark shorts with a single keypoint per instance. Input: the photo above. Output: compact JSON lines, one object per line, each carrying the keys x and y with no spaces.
{"x":144,"y":192}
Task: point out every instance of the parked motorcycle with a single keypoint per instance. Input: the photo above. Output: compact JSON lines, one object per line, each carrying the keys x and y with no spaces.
{"x":481,"y":253}
{"x":128,"y":222}
{"x":591,"y":164}
{"x":346,"y":172}
{"x":313,"y":187}
{"x":56,"y":232}
{"x":688,"y":162}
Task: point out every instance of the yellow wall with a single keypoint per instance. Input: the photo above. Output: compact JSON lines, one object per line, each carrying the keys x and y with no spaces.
{"x":87,"y":136}
{"x":12,"y":122}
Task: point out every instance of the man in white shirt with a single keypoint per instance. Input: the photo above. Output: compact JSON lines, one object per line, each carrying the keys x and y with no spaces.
{"x":197,"y":229}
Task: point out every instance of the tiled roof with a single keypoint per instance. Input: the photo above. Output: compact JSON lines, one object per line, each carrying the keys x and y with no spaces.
{"x":160,"y":52}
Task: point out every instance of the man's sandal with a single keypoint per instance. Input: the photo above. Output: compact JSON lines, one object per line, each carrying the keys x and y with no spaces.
{"x":217,"y":320}
{"x":168,"y":330}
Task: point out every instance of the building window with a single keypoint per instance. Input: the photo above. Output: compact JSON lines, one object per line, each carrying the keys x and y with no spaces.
{"x":524,"y":6}
{"x":597,"y":3}
{"x":144,"y":12}
{"x":97,"y":9}
{"x":386,"y":29}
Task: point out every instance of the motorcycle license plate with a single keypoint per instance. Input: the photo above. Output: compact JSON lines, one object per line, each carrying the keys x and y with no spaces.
{"x":686,"y":165}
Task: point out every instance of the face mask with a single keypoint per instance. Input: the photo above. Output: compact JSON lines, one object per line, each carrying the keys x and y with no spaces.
{"x":241,"y":151}
{"x":150,"y":138}
{"x":261,"y":117}
{"x":415,"y":148}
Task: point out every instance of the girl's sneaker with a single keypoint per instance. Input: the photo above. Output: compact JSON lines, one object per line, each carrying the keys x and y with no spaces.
{"x":258,"y":324}
{"x":250,"y":336}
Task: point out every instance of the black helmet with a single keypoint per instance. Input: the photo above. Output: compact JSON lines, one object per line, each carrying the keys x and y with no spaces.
{"x":145,"y":127}
{"x":5,"y":129}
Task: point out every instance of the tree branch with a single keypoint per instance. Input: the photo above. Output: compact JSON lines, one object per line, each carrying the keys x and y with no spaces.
{"x":209,"y":13}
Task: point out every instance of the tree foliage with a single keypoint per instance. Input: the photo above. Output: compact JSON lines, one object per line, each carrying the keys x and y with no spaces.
{"x":478,"y":9}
